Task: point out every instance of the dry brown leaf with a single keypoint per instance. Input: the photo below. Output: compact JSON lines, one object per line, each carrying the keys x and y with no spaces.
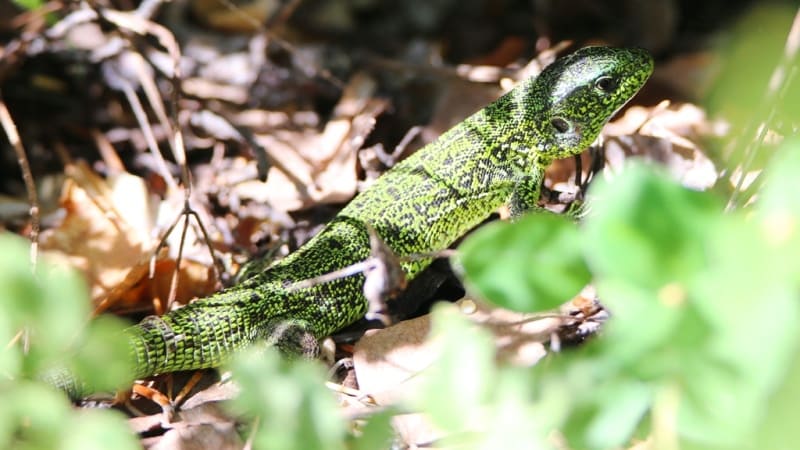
{"x":318,"y":167}
{"x":105,"y":231}
{"x":391,"y":363}
{"x":246,"y":17}
{"x":194,"y":280}
{"x":416,"y":430}
{"x":387,"y":361}
{"x":202,"y":427}
{"x":388,"y":364}
{"x":198,"y":422}
{"x":666,"y":135}
{"x":561,"y":173}
{"x":207,"y":89}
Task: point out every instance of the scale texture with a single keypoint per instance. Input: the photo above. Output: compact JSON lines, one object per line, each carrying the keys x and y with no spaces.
{"x":495,"y":157}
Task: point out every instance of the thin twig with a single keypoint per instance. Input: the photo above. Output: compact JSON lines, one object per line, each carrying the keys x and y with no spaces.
{"x":141,"y":25}
{"x":782,"y":76}
{"x":144,"y":124}
{"x":173,"y":283}
{"x":361,"y":266}
{"x":30,"y":187}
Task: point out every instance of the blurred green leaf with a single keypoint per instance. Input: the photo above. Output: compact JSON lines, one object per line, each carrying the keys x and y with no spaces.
{"x":473,"y":401}
{"x":645,"y":245}
{"x":512,"y":419}
{"x":51,"y":307}
{"x":99,"y":430}
{"x":752,"y":50}
{"x":292,"y":406}
{"x":377,"y":433}
{"x":782,"y":189}
{"x":101,"y":358}
{"x":35,"y":417}
{"x":38,"y":415}
{"x":748,"y":298}
{"x":458,"y":385}
{"x":778,"y":206}
{"x":620,"y":406}
{"x":647,"y":229}
{"x":694,"y":295}
{"x":529,"y":265}
{"x":29,"y":4}
{"x":10,"y":357}
{"x":777,"y":427}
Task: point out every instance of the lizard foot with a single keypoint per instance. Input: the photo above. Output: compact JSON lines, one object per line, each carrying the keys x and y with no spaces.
{"x":293,"y":338}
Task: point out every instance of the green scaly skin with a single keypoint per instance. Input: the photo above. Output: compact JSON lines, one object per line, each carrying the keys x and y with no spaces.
{"x":497,"y":156}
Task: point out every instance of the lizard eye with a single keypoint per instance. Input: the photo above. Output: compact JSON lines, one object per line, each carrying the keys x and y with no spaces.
{"x":560,"y":124}
{"x":606,"y":84}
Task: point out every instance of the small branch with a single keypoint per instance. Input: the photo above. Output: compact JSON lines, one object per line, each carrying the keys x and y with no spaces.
{"x":33,"y":199}
{"x":780,"y":80}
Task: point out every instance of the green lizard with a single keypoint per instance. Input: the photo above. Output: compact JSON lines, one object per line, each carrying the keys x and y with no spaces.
{"x":496,"y":156}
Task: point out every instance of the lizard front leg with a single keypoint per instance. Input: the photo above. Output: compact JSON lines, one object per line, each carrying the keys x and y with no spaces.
{"x":525,"y":196}
{"x":528,"y":191}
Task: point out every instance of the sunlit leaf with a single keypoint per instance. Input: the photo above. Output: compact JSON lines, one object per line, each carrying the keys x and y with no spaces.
{"x":529,"y":265}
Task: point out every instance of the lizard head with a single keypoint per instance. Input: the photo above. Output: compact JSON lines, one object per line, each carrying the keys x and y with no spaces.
{"x":576,"y":95}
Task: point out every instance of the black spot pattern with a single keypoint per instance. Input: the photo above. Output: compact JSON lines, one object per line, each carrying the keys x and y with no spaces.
{"x":422,"y":204}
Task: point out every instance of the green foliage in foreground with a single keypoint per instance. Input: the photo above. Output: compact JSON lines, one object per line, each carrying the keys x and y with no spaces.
{"x":701,"y":351}
{"x":48,"y":309}
{"x":30,"y":4}
{"x":291,"y":407}
{"x":704,"y":306}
